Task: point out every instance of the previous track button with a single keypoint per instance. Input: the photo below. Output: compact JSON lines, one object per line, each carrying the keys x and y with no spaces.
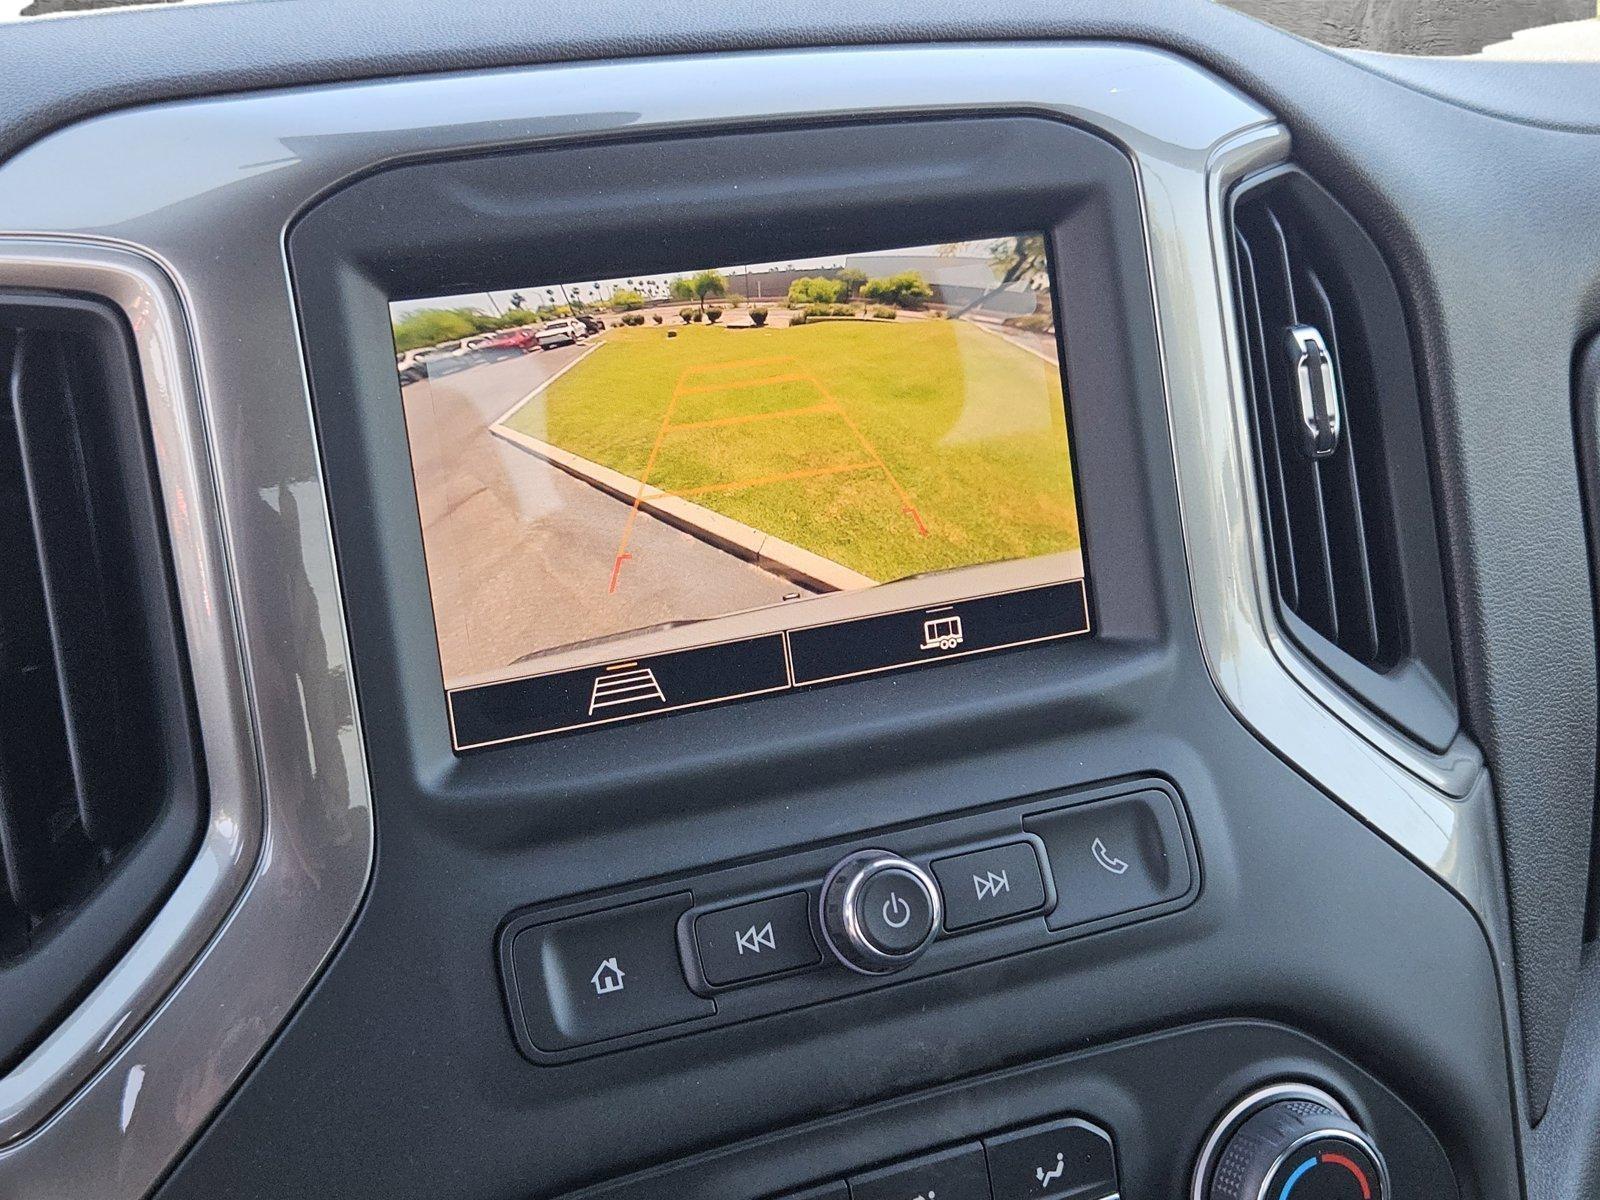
{"x":752,"y":941}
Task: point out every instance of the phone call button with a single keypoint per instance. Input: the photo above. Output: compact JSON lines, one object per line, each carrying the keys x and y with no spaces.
{"x":1113,"y":856}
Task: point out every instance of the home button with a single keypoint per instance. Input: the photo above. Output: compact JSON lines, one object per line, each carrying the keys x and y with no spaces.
{"x":604,"y":975}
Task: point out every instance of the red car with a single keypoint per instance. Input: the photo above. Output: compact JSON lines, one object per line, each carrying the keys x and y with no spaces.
{"x":519,"y":338}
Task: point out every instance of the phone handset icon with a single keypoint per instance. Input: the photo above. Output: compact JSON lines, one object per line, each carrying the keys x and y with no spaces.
{"x":1106,"y":859}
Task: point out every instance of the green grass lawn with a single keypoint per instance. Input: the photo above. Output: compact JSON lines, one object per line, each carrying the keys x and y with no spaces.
{"x":971,"y":429}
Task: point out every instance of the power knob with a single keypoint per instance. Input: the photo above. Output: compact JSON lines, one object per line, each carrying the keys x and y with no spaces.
{"x":879,"y":911}
{"x":1290,"y":1144}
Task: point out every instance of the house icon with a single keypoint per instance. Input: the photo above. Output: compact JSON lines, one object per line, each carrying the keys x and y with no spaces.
{"x":607,"y":977}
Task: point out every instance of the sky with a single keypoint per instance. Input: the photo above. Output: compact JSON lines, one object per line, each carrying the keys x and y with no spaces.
{"x":497,"y":302}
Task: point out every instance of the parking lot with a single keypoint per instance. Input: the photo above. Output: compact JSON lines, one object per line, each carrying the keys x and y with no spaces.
{"x":511,"y":540}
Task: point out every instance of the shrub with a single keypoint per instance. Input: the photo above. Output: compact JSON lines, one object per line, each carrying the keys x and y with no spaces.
{"x":884,"y":313}
{"x":798,"y":319}
{"x":758,"y":317}
{"x":816,"y":289}
{"x":626,"y":300}
{"x":905,"y":290}
{"x":687,"y":315}
{"x":633,"y":319}
{"x":713,"y":315}
{"x":432,"y":326}
{"x":656,"y":317}
{"x":829,"y":310}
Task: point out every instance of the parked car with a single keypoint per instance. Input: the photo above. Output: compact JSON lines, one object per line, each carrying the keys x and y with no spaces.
{"x":469,"y":353}
{"x":521,"y":338}
{"x":414,"y":364}
{"x":563,"y":332}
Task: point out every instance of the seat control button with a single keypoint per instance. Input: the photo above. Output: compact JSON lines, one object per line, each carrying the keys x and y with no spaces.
{"x":751,"y":941}
{"x":604,"y":975}
{"x":955,"y":1174}
{"x":1065,"y":1160}
{"x":990,"y":885}
{"x":1113,"y":856}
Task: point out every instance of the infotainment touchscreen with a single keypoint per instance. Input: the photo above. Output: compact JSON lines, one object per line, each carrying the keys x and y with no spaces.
{"x":662,"y":491}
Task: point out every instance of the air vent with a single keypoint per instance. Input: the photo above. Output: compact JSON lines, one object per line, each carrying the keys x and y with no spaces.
{"x":99,"y":779}
{"x":1342,"y":471}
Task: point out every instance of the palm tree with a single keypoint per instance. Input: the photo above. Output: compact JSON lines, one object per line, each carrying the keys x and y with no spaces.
{"x":707,"y":285}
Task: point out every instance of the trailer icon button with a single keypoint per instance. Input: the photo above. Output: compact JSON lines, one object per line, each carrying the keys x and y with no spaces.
{"x":941,"y":632}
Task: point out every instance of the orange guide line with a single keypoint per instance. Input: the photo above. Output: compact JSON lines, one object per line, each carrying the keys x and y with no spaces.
{"x":708,"y":368}
{"x":717,"y":422}
{"x":757,"y":481}
{"x":616,"y":569}
{"x":644,"y":480}
{"x":733,"y":385}
{"x":831,"y":404}
{"x":909,"y":506}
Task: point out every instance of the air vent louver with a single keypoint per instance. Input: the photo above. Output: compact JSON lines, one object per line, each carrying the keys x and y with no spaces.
{"x":1340,"y":457}
{"x":99,"y":783}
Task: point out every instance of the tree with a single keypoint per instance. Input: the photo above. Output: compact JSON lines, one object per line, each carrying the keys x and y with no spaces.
{"x":626,"y":300}
{"x":1018,"y":260}
{"x":853,"y":279}
{"x":707,"y":285}
{"x":908,"y":289}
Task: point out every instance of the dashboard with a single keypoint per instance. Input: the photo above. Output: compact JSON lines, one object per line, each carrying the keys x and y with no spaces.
{"x":941,"y":607}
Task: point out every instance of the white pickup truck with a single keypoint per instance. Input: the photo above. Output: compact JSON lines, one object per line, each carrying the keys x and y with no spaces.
{"x":563,"y":332}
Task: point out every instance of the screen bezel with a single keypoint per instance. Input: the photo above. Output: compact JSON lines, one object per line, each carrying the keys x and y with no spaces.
{"x":648,"y":205}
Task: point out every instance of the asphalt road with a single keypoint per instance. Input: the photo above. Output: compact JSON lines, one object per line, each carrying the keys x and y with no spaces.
{"x":520,"y":553}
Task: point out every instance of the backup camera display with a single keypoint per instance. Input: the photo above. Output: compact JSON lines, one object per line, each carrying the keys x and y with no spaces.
{"x":648,"y":493}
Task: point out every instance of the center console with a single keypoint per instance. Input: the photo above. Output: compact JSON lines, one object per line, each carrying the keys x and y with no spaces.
{"x":940,"y":868}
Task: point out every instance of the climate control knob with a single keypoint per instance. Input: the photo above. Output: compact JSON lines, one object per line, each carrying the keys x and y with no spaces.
{"x":1295,"y":1148}
{"x":879,"y":911}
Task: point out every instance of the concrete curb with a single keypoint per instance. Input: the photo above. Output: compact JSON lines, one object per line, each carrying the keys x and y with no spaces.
{"x":743,"y":541}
